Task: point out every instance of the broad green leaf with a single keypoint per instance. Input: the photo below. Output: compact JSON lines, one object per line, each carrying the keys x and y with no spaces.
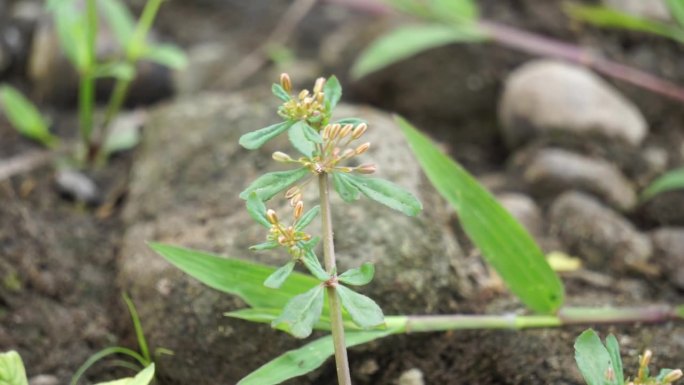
{"x":454,"y":10}
{"x":167,"y":55}
{"x":363,"y":310}
{"x":256,"y":139}
{"x":118,"y":70}
{"x":257,"y":210}
{"x":671,"y":180}
{"x":306,"y":359}
{"x":121,"y":138}
{"x":25,"y":117}
{"x":264,"y":246}
{"x":312,"y":263}
{"x":268,"y":185}
{"x":347,"y":191}
{"x":275,"y":280}
{"x":504,"y":243}
{"x":300,"y":139}
{"x":616,"y":360}
{"x":592,"y":359}
{"x":302,"y":312}
{"x":677,"y":10}
{"x":332,"y":91}
{"x":280,"y":92}
{"x":12,"y":370}
{"x":306,"y":219}
{"x":405,"y":42}
{"x":387,"y":193}
{"x":119,"y":19}
{"x":144,"y":377}
{"x":610,"y":18}
{"x":358,"y":276}
{"x":235,"y":276}
{"x":137,"y":325}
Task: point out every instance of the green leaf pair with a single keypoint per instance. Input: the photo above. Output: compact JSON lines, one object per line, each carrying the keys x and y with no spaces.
{"x":596,"y":361}
{"x":348,"y":186}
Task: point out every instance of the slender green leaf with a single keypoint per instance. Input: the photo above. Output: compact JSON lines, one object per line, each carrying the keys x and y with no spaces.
{"x":119,"y":19}
{"x":267,"y":316}
{"x":280,"y":92}
{"x":352,"y":121}
{"x":611,"y":18}
{"x":677,"y":10}
{"x":300,"y":139}
{"x":265,"y":246}
{"x":12,"y":370}
{"x":302,"y":312}
{"x":306,"y":219}
{"x":96,"y":357}
{"x":342,"y":184}
{"x":615,"y":359}
{"x":408,"y":41}
{"x":504,"y":243}
{"x":257,"y":210}
{"x":268,"y":185}
{"x":387,"y":193}
{"x":306,"y":359}
{"x":117,"y":70}
{"x":167,"y":55}
{"x":235,"y":276}
{"x":256,"y":139}
{"x":25,"y":117}
{"x":358,"y":276}
{"x":592,"y":359}
{"x":312,"y":263}
{"x":71,"y":31}
{"x":670,"y":181}
{"x":144,"y":377}
{"x":363,"y":310}
{"x":454,"y":10}
{"x":275,"y":280}
{"x":332,"y":91}
{"x":137,"y":325}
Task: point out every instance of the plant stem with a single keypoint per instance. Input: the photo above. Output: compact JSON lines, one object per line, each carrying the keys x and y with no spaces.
{"x":86,"y":99}
{"x":336,"y":323}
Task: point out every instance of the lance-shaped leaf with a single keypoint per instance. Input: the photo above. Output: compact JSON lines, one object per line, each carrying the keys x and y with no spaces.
{"x":25,"y":117}
{"x":167,"y":55}
{"x":264,"y":246}
{"x":119,"y":19}
{"x":615,"y":359}
{"x":279,"y":276}
{"x":504,"y":242}
{"x":302,"y":312}
{"x":268,"y":185}
{"x":358,"y":276}
{"x":593,"y":360}
{"x":387,"y":193}
{"x":255,"y":139}
{"x":280,"y":92}
{"x":346,"y":190}
{"x":363,"y":310}
{"x":677,"y":10}
{"x":257,"y":210}
{"x":312,"y":263}
{"x":671,"y":180}
{"x":333,"y":92}
{"x":12,"y":370}
{"x":306,"y":219}
{"x":120,"y":70}
{"x":304,"y":138}
{"x":352,"y":121}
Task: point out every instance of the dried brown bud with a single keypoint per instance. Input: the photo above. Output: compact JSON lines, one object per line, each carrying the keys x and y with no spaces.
{"x":320,"y":97}
{"x":346,"y":129}
{"x":285,"y":82}
{"x":272,"y":217}
{"x":646,"y":358}
{"x":672,"y":376}
{"x":365,"y":169}
{"x":295,"y":199}
{"x":292,"y":191}
{"x":344,"y":169}
{"x":281,"y":157}
{"x":359,"y":130}
{"x":303,"y":94}
{"x":348,"y":153}
{"x":362,"y":148}
{"x":318,"y":86}
{"x":325,"y":134}
{"x":335,"y":130}
{"x":299,"y":208}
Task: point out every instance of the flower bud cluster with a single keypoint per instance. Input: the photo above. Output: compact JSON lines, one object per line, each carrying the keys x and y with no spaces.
{"x":339,"y":145}
{"x":306,"y":105}
{"x":287,"y":235}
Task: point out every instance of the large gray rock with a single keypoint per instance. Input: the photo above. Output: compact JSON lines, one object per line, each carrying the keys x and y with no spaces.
{"x":549,"y":98}
{"x":597,"y":234}
{"x":184,"y":190}
{"x":668,"y":243}
{"x":549,"y":172}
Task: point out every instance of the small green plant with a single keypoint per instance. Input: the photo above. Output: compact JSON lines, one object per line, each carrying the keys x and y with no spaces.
{"x":141,"y":359}
{"x":602,"y":364}
{"x":77,"y":30}
{"x":670,"y":181}
{"x":608,"y":17}
{"x":12,"y":372}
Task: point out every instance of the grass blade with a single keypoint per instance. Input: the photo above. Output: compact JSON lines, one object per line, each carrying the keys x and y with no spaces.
{"x":671,"y":180}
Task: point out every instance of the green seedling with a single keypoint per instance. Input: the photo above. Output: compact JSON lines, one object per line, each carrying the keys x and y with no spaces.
{"x":670,"y":181}
{"x":140,"y":360}
{"x":608,"y":17}
{"x":12,"y":372}
{"x":602,"y":364}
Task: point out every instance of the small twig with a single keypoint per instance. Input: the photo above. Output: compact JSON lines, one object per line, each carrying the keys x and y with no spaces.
{"x":256,"y":59}
{"x":24,"y":163}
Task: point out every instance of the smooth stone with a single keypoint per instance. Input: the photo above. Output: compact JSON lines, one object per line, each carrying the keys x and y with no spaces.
{"x":597,"y":234}
{"x":550,"y":172}
{"x":77,"y":186}
{"x":525,"y":210}
{"x":550,"y":98}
